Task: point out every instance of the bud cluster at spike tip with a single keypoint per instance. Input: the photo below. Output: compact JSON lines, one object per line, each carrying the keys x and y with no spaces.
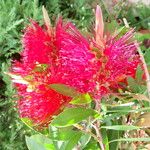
{"x":65,"y":56}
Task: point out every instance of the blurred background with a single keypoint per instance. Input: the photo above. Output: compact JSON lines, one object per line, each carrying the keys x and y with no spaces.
{"x":15,"y":15}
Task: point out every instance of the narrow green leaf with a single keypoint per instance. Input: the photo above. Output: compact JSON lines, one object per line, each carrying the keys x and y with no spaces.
{"x":14,"y":24}
{"x":133,"y":85}
{"x":81,"y":99}
{"x":131,"y":110}
{"x":72,"y":116}
{"x":131,"y":140}
{"x":121,"y":127}
{"x":124,"y":108}
{"x":27,"y":121}
{"x":146,"y":56}
{"x":139,"y":74}
{"x":112,"y":135}
{"x":65,"y":90}
{"x":105,"y":138}
{"x":120,"y":106}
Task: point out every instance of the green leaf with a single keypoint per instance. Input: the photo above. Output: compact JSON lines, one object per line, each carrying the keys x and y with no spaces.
{"x":14,"y":24}
{"x":39,"y":142}
{"x":72,"y":116}
{"x":84,"y":140}
{"x":111,"y":27}
{"x":49,"y":147}
{"x":81,"y":99}
{"x":146,"y":56}
{"x":133,"y":85}
{"x":120,"y":127}
{"x":131,"y":110}
{"x":65,"y":90}
{"x":113,"y":134}
{"x":122,"y":108}
{"x":92,"y":145}
{"x":139,"y":74}
{"x":61,"y":134}
{"x":131,"y":140}
{"x":141,"y":37}
{"x":73,"y":141}
{"x":105,"y":138}
{"x":27,"y":121}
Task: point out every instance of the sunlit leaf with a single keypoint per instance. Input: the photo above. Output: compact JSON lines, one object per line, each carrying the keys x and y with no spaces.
{"x":39,"y":142}
{"x":130,"y":110}
{"x":81,"y":99}
{"x":72,"y":116}
{"x":61,"y":134}
{"x":27,"y":121}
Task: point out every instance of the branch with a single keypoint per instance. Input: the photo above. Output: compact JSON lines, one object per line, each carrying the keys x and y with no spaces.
{"x":79,"y":127}
{"x":97,"y":126}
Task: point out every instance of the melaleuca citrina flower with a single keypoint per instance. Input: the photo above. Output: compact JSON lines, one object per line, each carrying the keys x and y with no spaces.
{"x":51,"y":55}
{"x":62,"y":55}
{"x":117,"y":55}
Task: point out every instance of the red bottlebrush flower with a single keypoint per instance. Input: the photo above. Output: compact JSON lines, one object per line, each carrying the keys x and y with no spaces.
{"x":122,"y":58}
{"x":78,"y":65}
{"x":119,"y":58}
{"x":60,"y":56}
{"x":37,"y":46}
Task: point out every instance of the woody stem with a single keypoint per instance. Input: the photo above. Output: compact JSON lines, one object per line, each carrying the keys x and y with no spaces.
{"x":96,"y":126}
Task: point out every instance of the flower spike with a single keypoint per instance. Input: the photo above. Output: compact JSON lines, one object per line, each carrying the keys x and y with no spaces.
{"x":62,"y":55}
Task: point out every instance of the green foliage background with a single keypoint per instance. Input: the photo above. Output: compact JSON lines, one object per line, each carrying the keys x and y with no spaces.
{"x":14,"y":15}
